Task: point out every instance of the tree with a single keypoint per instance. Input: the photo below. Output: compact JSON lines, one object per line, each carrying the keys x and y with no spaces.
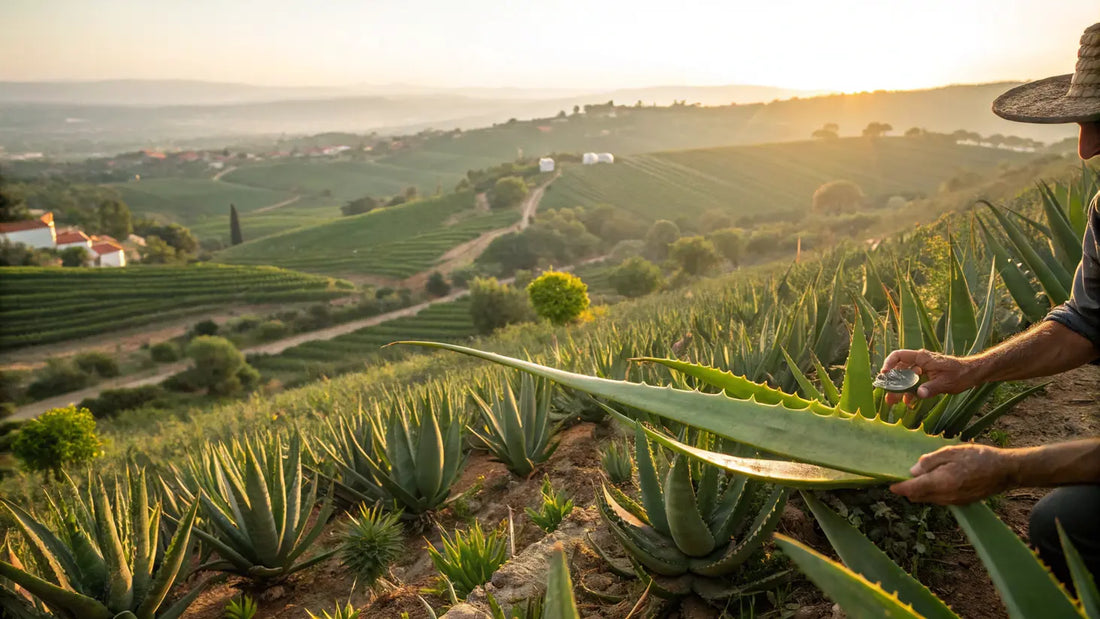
{"x":437,"y":285}
{"x":360,"y":206}
{"x":218,"y":366}
{"x":507,"y":192}
{"x":837,"y":197}
{"x":19,"y":255}
{"x":915,"y":132}
{"x":695,"y":254}
{"x":74,"y":257}
{"x":714,"y":219}
{"x":636,"y":277}
{"x":494,"y":305}
{"x":576,"y":110}
{"x":662,"y":233}
{"x":828,"y":131}
{"x":12,"y":207}
{"x":176,"y":236}
{"x":58,"y":438}
{"x":558,"y":297}
{"x":730,"y":244}
{"x":876,"y":129}
{"x":235,"y":236}
{"x":156,"y":251}
{"x":114,"y":218}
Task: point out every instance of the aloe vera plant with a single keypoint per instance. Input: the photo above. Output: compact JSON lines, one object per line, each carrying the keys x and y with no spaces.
{"x":693,"y":530}
{"x":518,"y":430}
{"x":257,"y":505}
{"x":869,"y":584}
{"x":104,"y":559}
{"x":469,"y":558}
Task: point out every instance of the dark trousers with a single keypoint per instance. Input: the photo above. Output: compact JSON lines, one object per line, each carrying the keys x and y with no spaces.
{"x":1077,"y":508}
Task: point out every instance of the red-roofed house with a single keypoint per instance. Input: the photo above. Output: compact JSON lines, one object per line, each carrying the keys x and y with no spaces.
{"x":38,"y":233}
{"x":73,"y":238}
{"x":108,"y":253}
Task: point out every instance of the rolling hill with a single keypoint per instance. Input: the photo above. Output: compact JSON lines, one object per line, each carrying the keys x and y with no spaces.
{"x":768,"y":178}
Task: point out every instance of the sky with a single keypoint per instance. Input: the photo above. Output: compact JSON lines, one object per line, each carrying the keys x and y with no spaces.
{"x":840,"y":45}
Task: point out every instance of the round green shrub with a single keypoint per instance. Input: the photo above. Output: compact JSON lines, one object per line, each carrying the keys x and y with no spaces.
{"x":164,"y":352}
{"x":58,"y":438}
{"x":636,"y":277}
{"x":558,"y":297}
{"x":371,"y":542}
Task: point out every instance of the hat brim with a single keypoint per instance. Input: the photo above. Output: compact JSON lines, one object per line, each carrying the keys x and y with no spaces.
{"x":1045,"y":101}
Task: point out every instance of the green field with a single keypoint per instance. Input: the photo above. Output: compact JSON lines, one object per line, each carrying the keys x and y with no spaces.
{"x":52,"y":304}
{"x":441,"y":322}
{"x":394,"y":242}
{"x":344,"y":180}
{"x":194,"y":201}
{"x":767,"y":178}
{"x":303,"y":212}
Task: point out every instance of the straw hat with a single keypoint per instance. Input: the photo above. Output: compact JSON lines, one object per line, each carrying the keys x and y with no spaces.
{"x":1061,"y":99}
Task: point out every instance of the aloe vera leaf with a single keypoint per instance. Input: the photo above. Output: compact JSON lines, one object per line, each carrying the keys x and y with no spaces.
{"x":644,"y":543}
{"x":1083,"y":581}
{"x":856,"y":394}
{"x":791,"y":474}
{"x":120,"y":580}
{"x":858,"y":596}
{"x":863,"y":557}
{"x":176,"y":610}
{"x":174,"y":556}
{"x":804,"y":384}
{"x":429,"y":456}
{"x":1053,"y":287}
{"x":629,"y":504}
{"x":1015,"y":281}
{"x":1064,"y":239}
{"x":962,"y":326}
{"x":649,"y":483}
{"x":559,"y":602}
{"x":685,"y":523}
{"x":1027,"y":588}
{"x":832,"y":396}
{"x":909,"y":324}
{"x":849,"y":443}
{"x":50,"y":553}
{"x":989,"y":309}
{"x":291,"y":518}
{"x":260,"y":519}
{"x":54,"y":596}
{"x":144,"y":547}
{"x":1046,"y":251}
{"x":767,"y":519}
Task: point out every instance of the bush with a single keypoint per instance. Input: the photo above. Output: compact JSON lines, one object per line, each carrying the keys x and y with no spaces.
{"x":636,"y":277}
{"x":96,"y":362}
{"x":660,"y":235}
{"x":59,"y":376}
{"x":694,"y":254}
{"x":437,"y":285}
{"x":11,"y":385}
{"x":507,"y":192}
{"x":460,"y":278}
{"x":219,"y":367}
{"x":164,"y":352}
{"x":272,"y":329}
{"x":58,"y":438}
{"x":521,"y":278}
{"x":558,"y":297}
{"x":494,"y":305}
{"x":206,"y":327}
{"x":730,"y":243}
{"x":113,"y":401}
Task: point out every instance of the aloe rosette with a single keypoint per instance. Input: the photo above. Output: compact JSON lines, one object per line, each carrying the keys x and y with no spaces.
{"x":517,"y":428}
{"x":104,"y":558}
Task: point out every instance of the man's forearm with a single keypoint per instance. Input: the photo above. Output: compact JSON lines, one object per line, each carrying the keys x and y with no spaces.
{"x":1048,"y":348}
{"x":1061,"y":464}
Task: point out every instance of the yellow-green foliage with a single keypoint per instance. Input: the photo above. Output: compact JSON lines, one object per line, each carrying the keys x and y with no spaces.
{"x":58,"y":438}
{"x":558,"y":296}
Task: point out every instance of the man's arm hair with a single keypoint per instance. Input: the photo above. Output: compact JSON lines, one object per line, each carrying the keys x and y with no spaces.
{"x":1060,"y":464}
{"x":1046,"y":349}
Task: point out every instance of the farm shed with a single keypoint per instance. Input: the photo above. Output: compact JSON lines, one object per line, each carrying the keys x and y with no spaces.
{"x":546,"y":164}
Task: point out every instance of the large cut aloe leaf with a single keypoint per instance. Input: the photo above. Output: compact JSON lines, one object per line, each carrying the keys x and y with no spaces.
{"x":858,"y":596}
{"x":1028,"y":589}
{"x":851,"y":443}
{"x":864,"y":558}
{"x":559,"y":589}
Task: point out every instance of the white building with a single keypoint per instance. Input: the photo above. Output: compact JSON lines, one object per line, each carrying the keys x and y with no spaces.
{"x":605,"y":158}
{"x":590,"y":159}
{"x":546,"y":164}
{"x":37,"y":233}
{"x":73,"y":238}
{"x":108,"y":253}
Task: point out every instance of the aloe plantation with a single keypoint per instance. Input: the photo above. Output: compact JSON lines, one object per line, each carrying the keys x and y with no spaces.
{"x":715,"y":451}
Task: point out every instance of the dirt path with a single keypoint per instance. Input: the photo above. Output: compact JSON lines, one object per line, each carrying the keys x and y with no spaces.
{"x":272,"y":207}
{"x":217,"y":177}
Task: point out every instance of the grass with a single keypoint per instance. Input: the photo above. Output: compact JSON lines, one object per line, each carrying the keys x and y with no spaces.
{"x":306,"y":211}
{"x":394,"y":242}
{"x":356,"y":350}
{"x":343,"y":180}
{"x":768,"y":178}
{"x":51,"y":304}
{"x":195,"y":201}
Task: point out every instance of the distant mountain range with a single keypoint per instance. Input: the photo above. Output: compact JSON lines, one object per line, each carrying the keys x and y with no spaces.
{"x":75,"y":119}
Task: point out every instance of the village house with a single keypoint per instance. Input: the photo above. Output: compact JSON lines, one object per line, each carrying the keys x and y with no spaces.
{"x":73,"y":238}
{"x":106,"y":252}
{"x":37,"y":233}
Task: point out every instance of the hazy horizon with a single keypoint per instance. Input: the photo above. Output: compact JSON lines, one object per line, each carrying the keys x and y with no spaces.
{"x":563,"y":45}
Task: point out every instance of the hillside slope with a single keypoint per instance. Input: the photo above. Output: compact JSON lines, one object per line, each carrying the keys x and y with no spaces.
{"x":769,"y":178}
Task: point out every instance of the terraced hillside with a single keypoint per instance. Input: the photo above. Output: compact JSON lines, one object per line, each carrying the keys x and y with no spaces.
{"x":768,"y":178}
{"x":194,"y":201}
{"x":393,"y":242}
{"x":441,"y":322}
{"x":345,"y":180}
{"x":51,"y":304}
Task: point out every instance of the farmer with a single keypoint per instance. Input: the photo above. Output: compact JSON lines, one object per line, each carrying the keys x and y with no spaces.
{"x":1068,"y":337}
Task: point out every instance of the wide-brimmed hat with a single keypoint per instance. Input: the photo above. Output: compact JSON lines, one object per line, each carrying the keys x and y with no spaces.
{"x":1061,"y":99}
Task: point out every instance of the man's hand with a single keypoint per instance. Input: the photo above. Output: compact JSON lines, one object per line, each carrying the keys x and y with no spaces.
{"x":958,"y":475}
{"x":944,"y":374}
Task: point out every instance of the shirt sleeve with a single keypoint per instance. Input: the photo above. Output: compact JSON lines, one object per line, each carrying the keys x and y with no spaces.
{"x":1081,"y":313}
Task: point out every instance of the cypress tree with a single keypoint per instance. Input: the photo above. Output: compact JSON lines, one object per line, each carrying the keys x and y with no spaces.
{"x":235,"y":237}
